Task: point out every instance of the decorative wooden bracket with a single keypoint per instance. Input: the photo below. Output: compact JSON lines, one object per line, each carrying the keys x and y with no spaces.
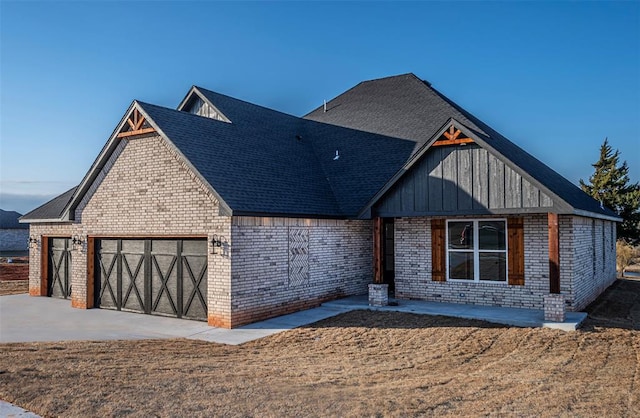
{"x":136,"y":125}
{"x":452,"y":138}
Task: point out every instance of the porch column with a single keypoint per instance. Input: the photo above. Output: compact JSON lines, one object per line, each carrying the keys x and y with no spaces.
{"x":377,"y":249}
{"x":554,"y":253}
{"x":378,"y":291}
{"x":554,"y":309}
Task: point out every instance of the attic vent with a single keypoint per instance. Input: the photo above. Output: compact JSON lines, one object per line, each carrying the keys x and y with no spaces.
{"x":201,"y":108}
{"x":453,"y":136}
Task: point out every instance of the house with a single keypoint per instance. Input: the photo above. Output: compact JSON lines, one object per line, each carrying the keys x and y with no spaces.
{"x":13,"y":234}
{"x":225,"y":211}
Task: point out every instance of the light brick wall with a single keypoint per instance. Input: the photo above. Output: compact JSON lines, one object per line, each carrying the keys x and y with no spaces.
{"x":65,"y":230}
{"x":594,"y":258}
{"x":339,"y":264}
{"x":146,"y":190}
{"x":413,"y":269}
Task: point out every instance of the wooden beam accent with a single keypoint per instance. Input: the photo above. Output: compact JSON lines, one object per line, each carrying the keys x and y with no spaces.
{"x":140,"y":122}
{"x":453,"y":142}
{"x":554,"y":253}
{"x":377,"y":249}
{"x":452,"y":135}
{"x":90,"y":271}
{"x":136,"y":132}
{"x":154,"y":236}
{"x":44,"y":265}
{"x":438,"y":251}
{"x":132,"y":125}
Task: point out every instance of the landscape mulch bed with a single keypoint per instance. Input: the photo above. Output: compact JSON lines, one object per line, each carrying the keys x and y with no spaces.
{"x":357,"y":364}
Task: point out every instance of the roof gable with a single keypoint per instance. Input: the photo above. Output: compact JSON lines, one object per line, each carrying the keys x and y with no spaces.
{"x":198,"y":104}
{"x":461,"y":175}
{"x":406,"y":107}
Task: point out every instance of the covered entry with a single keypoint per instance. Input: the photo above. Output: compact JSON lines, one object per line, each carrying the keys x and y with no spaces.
{"x":58,"y":268}
{"x":154,"y":276}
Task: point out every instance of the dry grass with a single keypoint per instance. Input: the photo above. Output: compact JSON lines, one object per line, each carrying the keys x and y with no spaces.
{"x":13,"y":287}
{"x":357,"y":364}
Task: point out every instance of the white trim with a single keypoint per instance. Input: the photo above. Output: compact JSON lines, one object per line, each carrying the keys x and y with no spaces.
{"x":475,"y":251}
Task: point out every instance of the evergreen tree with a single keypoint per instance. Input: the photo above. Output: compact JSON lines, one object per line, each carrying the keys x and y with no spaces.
{"x":610,"y":185}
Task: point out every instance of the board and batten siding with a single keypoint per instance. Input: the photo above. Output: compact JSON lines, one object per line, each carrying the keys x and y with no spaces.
{"x":461,"y":180}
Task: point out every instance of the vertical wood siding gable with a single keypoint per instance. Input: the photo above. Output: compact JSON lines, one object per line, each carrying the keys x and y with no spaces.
{"x":515,"y":251}
{"x":464,"y":179}
{"x":438,"y":251}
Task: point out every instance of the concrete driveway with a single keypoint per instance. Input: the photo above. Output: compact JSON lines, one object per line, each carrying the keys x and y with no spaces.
{"x":27,"y":319}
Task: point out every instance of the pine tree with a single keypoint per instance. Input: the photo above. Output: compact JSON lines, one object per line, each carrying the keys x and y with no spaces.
{"x":610,"y":185}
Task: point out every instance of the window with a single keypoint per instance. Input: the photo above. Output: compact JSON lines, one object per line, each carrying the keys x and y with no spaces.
{"x":477,"y":250}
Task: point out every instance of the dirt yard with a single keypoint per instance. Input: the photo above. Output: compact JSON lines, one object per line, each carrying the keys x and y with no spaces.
{"x":17,"y":269}
{"x":357,"y":364}
{"x":13,"y":287}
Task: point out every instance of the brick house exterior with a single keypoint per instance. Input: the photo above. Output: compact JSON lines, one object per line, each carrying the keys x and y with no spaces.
{"x":229,"y":212}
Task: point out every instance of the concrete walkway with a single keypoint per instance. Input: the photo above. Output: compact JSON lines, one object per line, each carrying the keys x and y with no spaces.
{"x":506,"y":316}
{"x":27,"y":319}
{"x":9,"y":410}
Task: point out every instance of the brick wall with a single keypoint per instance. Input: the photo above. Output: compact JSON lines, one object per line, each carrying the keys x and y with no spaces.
{"x":281,"y":265}
{"x":413,"y":269}
{"x":35,"y":251}
{"x":594,"y":258}
{"x":146,"y":190}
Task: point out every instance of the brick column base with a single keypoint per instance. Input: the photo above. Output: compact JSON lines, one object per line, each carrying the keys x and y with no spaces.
{"x":554,"y":307}
{"x":378,"y":294}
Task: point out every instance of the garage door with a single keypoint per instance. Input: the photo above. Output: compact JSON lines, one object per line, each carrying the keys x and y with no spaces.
{"x":154,"y":276}
{"x":59,"y":266}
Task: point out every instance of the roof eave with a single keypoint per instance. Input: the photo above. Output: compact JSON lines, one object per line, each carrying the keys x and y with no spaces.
{"x":589,"y":214}
{"x":41,"y":221}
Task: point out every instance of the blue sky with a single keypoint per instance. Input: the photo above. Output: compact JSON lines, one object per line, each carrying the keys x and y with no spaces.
{"x":554,"y":77}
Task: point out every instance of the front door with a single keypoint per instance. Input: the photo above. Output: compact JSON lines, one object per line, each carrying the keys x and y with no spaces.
{"x":388,"y":253}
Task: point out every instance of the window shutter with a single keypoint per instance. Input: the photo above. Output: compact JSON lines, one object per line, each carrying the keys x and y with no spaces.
{"x":515,"y":251}
{"x":438,"y":251}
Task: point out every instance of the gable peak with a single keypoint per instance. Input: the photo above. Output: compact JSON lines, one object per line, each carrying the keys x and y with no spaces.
{"x":452,"y":136}
{"x":197,"y":103}
{"x":136,"y":124}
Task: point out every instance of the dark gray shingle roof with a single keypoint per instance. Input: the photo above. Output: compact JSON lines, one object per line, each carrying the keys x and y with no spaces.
{"x":406,"y":107}
{"x":52,"y":210}
{"x":268,"y":162}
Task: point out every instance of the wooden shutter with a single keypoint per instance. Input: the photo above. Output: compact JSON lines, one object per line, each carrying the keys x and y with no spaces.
{"x":438,"y":251}
{"x":515,"y":251}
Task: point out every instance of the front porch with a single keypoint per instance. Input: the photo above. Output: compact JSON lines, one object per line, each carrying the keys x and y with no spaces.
{"x":501,"y":315}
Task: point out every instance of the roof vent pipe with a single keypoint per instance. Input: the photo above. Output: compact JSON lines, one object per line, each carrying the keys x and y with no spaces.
{"x":337,"y":156}
{"x":325,"y":105}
